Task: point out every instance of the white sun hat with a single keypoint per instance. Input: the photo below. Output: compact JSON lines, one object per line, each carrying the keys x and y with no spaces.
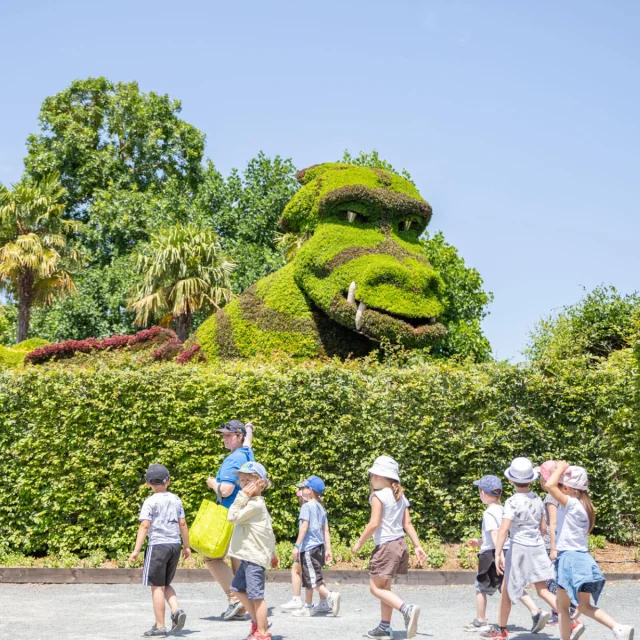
{"x":386,"y":467}
{"x":576,"y":478}
{"x":521,"y":471}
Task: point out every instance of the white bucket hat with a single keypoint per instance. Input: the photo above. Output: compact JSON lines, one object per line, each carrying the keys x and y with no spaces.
{"x":386,"y":467}
{"x":521,"y":471}
{"x":576,"y":478}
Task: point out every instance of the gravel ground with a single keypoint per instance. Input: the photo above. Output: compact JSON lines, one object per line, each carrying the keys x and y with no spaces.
{"x":114,"y":612}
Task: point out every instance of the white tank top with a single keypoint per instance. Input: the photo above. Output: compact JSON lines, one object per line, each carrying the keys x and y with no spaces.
{"x":390,"y":527}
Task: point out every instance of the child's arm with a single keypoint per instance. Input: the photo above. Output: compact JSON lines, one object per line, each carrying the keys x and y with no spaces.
{"x":302,"y":532}
{"x":374,"y":523}
{"x":500,"y":540}
{"x":494,"y":537}
{"x":184,"y":534}
{"x":413,"y":536}
{"x":143,"y":530}
{"x":554,"y":480}
{"x":327,"y":544}
{"x":242,"y":510}
{"x":543,"y":526}
{"x":552,"y":510}
{"x":474,"y":542}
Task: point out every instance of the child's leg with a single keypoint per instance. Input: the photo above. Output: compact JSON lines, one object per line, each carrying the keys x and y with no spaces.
{"x":171,"y":598}
{"x":504,"y":608}
{"x":545,"y":594}
{"x":296,"y":579}
{"x":481,"y":606}
{"x":157,"y":596}
{"x":261,"y":613}
{"x":246,"y":603}
{"x":564,"y":616}
{"x":587,"y":609}
{"x":381,"y":589}
{"x":528,"y":602}
{"x":308,"y":596}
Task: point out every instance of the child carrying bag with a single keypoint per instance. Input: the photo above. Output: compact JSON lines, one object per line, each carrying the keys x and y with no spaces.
{"x":210,"y":532}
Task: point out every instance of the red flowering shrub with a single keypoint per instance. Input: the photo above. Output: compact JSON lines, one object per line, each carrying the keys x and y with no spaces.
{"x":192,"y":353}
{"x":168,"y":350}
{"x":69,"y":348}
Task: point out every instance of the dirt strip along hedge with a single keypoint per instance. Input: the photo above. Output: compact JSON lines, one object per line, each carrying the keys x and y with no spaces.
{"x":76,"y":442}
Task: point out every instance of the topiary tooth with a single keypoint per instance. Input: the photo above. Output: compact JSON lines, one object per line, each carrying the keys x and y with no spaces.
{"x":351,"y":296}
{"x":351,"y":216}
{"x":362,"y":307}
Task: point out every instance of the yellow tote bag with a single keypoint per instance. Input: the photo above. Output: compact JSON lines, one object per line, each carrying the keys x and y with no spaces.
{"x":210,"y":532}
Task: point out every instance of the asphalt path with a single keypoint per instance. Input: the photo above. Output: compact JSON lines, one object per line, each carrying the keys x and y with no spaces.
{"x":123,"y":612}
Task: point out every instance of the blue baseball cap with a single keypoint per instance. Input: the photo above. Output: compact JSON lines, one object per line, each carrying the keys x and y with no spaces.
{"x":490,"y":484}
{"x":254,"y":468}
{"x":313,"y":482}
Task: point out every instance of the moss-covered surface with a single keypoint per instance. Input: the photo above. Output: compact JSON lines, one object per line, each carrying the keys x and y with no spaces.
{"x":14,"y":356}
{"x":366,"y":225}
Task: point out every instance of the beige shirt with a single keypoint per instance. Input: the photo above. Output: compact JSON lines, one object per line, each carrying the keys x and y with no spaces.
{"x":252,"y":539}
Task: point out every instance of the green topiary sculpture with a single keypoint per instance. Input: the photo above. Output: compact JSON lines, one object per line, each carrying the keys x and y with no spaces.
{"x":362,"y":276}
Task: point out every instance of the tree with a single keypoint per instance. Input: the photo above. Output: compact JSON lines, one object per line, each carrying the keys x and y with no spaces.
{"x":595,"y":327}
{"x":244,"y":210}
{"x":34,"y":254}
{"x":184,"y":270}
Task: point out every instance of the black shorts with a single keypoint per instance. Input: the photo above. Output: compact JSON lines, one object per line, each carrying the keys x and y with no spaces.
{"x":488,"y":581}
{"x":312,"y":562}
{"x":160,"y":564}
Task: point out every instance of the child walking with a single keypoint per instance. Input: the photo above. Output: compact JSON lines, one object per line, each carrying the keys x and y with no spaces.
{"x":162,"y":520}
{"x":487,"y":579}
{"x":313,"y":549}
{"x":388,"y":523}
{"x":578,"y":576}
{"x":254,"y":544}
{"x":296,"y":577}
{"x":526,"y":561}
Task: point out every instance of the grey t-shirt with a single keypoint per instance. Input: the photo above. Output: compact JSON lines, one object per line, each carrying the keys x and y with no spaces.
{"x":164,"y":510}
{"x":548,"y":500}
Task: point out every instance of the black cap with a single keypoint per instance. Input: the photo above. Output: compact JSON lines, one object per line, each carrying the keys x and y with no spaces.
{"x":233,"y":426}
{"x":157,"y":474}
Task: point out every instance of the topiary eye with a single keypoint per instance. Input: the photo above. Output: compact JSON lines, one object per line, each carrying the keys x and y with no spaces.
{"x":406,"y":224}
{"x":351,"y":216}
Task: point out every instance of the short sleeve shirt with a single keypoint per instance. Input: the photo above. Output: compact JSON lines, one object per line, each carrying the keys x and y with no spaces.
{"x":314,"y":513}
{"x":230,"y":464}
{"x":491,"y":521}
{"x":164,"y":511}
{"x":548,"y":501}
{"x":525,"y":512}
{"x":573,"y":527}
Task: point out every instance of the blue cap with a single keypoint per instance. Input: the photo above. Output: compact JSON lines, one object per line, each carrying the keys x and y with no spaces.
{"x":254,"y":468}
{"x":313,"y":482}
{"x":490,"y":484}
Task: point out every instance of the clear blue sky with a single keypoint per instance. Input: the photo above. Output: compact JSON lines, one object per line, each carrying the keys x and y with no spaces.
{"x":519,"y":121}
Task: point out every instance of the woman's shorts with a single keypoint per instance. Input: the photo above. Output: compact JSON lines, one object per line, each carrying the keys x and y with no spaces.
{"x":312,"y":562}
{"x":389,"y":559}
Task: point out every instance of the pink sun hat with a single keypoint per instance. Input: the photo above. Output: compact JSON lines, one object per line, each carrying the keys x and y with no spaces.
{"x":546,"y":469}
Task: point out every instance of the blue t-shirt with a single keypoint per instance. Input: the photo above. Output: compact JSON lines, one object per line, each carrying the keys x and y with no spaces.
{"x":230,"y":464}
{"x":315,"y":514}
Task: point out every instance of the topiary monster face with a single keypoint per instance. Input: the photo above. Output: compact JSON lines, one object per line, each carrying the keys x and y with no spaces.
{"x":364,"y":265}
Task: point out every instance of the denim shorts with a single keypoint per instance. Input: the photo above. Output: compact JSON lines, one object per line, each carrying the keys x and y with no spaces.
{"x":250,"y":578}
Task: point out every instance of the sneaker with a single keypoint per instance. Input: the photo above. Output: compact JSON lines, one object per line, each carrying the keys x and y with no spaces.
{"x":379,"y":632}
{"x":411,"y":615}
{"x":322,"y":607}
{"x":494,"y":632}
{"x":553,"y":620}
{"x":304,"y":612}
{"x":178,"y":618}
{"x":262,"y":636}
{"x":577,"y":629}
{"x":235,"y":609}
{"x":477,"y":626}
{"x":155,"y":632}
{"x":334,"y":603}
{"x":292,"y":605}
{"x":623,"y":632}
{"x":254,"y":630}
{"x":539,"y":621}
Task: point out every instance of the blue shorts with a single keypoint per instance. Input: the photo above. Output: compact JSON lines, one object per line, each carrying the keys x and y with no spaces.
{"x":250,"y":579}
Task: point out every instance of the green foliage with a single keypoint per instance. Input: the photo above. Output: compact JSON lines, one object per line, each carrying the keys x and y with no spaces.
{"x":468,"y":556}
{"x":600,"y":324}
{"x":436,"y":555}
{"x":14,"y":356}
{"x":77,"y":440}
{"x":374,"y":161}
{"x":597,"y":542}
{"x":332,"y":189}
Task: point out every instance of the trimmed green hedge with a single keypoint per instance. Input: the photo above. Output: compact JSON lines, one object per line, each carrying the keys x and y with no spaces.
{"x":14,"y":356}
{"x":76,"y":441}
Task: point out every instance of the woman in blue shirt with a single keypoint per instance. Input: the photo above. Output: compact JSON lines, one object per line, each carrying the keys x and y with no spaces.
{"x":237,"y":438}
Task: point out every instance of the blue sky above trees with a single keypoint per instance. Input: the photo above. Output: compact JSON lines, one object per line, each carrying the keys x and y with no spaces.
{"x":517,"y":121}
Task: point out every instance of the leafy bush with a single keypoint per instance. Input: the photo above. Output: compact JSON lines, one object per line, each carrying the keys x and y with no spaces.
{"x":76,"y":441}
{"x":597,"y":542}
{"x":14,"y":356}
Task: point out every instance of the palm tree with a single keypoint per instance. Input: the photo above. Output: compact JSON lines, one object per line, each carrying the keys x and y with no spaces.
{"x":34,"y":255}
{"x":184,"y":270}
